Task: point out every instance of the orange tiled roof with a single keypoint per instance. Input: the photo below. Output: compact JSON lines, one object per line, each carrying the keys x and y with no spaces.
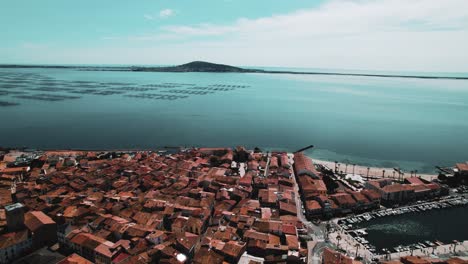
{"x":75,"y":259}
{"x":462,"y":167}
{"x":36,"y":219}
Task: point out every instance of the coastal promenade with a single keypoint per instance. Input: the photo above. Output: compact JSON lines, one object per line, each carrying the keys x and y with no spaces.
{"x":442,"y":251}
{"x":373,"y":172}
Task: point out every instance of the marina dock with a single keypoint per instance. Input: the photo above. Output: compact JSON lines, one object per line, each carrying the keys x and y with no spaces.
{"x":349,"y":235}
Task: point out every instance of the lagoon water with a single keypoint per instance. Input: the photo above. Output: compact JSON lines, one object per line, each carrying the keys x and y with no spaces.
{"x":412,"y":123}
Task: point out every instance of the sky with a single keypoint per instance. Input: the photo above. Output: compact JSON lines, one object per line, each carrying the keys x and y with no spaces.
{"x":396,"y":35}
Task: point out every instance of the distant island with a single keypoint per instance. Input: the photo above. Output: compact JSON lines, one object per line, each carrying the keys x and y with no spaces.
{"x":202,"y":66}
{"x":195,"y":66}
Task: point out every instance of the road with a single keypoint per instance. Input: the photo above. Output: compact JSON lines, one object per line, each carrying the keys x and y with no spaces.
{"x":267,"y":168}
{"x":316,"y":246}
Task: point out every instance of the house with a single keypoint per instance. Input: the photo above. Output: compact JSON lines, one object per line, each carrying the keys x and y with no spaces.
{"x":93,"y":248}
{"x":205,"y":256}
{"x":345,"y":201}
{"x":179,"y":225}
{"x":414,"y":189}
{"x":15,"y":216}
{"x":186,"y":243}
{"x":5,"y":197}
{"x":156,"y":237}
{"x":313,"y":209}
{"x":195,"y":225}
{"x":232,"y":251}
{"x":414,"y":260}
{"x":332,"y":257}
{"x":267,"y":198}
{"x":287,"y":208}
{"x":284,"y":160}
{"x":362,"y":202}
{"x":74,"y":259}
{"x":373,"y":196}
{"x":276,"y":249}
{"x":390,"y":192}
{"x":311,"y":187}
{"x":106,"y":252}
{"x":256,"y":248}
{"x":304,"y":166}
{"x":462,"y":169}
{"x":292,"y":242}
{"x":262,"y":237}
{"x":329,"y":206}
{"x":20,"y":171}
{"x":43,"y":228}
{"x":14,"y":245}
{"x":273,"y":163}
{"x":397,"y":193}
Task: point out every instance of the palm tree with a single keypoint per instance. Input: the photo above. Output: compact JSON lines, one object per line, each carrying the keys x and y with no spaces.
{"x":336,"y":165}
{"x":455,"y":246}
{"x":368,"y":173}
{"x":354,"y":165}
{"x":388,"y":256}
{"x":357,"y":249}
{"x":383,"y":173}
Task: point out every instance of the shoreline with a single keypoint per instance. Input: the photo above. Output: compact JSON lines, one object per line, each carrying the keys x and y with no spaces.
{"x":240,"y":70}
{"x":375,"y":172}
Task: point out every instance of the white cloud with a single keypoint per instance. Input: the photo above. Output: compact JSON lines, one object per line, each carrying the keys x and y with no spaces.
{"x":201,"y":30}
{"x":33,"y":45}
{"x":350,"y":17}
{"x":148,"y":17}
{"x":420,"y":35}
{"x":383,"y":34}
{"x":165,"y":13}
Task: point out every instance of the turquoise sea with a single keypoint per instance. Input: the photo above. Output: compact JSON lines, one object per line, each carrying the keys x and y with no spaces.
{"x":412,"y":123}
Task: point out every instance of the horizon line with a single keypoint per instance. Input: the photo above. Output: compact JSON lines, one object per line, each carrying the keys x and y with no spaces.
{"x":131,"y":68}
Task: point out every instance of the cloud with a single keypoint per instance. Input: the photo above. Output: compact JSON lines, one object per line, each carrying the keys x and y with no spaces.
{"x":381,"y":34}
{"x":110,"y":38}
{"x":201,"y":30}
{"x":397,"y":35}
{"x":348,"y":17}
{"x":165,"y":13}
{"x":148,"y":17}
{"x":33,"y":46}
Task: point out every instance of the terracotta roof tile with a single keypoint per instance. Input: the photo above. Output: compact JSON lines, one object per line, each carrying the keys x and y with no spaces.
{"x":36,"y":219}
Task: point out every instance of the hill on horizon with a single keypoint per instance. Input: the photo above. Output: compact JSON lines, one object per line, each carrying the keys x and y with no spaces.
{"x":195,"y":66}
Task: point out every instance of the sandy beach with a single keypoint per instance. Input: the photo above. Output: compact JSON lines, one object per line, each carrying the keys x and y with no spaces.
{"x":374,"y":172}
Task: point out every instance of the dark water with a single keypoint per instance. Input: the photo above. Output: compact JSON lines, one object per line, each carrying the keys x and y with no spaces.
{"x":444,"y":225}
{"x":411,"y":123}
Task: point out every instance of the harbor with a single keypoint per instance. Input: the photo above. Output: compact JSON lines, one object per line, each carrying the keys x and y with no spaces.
{"x":418,"y":229}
